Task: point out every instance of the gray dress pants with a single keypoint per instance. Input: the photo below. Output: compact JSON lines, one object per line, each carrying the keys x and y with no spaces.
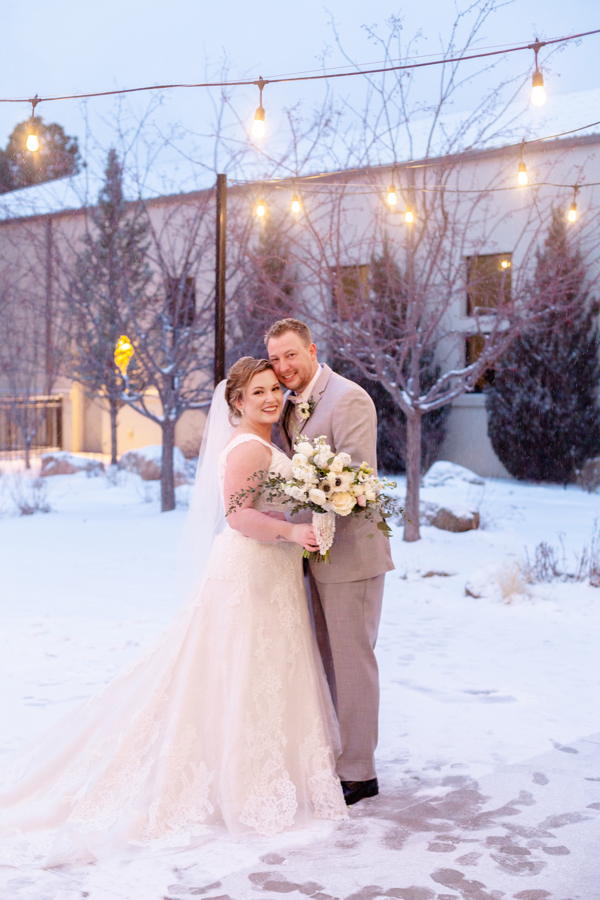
{"x":346,"y":619}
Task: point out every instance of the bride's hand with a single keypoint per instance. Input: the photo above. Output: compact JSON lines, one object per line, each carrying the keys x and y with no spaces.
{"x":305,"y":536}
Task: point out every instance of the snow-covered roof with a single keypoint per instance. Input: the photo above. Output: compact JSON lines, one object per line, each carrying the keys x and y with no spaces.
{"x":564,"y":113}
{"x":68,"y":193}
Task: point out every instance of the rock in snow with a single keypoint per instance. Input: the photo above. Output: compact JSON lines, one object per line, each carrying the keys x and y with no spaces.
{"x":457,"y":517}
{"x":447,"y":474}
{"x":146,"y":462}
{"x":64,"y":463}
{"x":589,"y":476}
{"x":483,"y":583}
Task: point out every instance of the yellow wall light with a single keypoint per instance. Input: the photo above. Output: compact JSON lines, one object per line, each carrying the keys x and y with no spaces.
{"x":123,"y":353}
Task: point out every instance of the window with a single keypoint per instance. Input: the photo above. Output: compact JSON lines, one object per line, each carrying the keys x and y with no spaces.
{"x":489,"y":279}
{"x":350,"y":285}
{"x":181,"y":301}
{"x":474,"y":346}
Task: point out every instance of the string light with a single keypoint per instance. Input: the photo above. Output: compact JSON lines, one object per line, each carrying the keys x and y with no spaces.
{"x":538,"y":93}
{"x":504,"y":49}
{"x":260,"y":209}
{"x":392,"y":199}
{"x":32,"y":143}
{"x":522,"y":177}
{"x":572,"y":214}
{"x":409,"y":215}
{"x":258,"y":126}
{"x":296,"y":207}
{"x":505,"y":264}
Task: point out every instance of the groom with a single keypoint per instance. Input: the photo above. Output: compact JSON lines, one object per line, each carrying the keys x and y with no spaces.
{"x":347,"y":593}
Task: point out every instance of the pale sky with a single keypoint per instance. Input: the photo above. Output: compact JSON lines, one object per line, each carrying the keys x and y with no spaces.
{"x":70,"y":46}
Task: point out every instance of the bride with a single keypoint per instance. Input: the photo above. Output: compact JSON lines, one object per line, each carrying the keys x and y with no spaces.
{"x":226,"y":719}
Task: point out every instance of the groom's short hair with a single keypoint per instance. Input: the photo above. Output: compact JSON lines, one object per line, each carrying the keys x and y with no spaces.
{"x":282,"y":325}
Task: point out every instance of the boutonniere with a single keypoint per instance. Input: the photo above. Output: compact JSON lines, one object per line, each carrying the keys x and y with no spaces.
{"x":305,"y":408}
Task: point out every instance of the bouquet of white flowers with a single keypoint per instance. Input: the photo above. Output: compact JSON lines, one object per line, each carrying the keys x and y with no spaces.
{"x":328,"y":484}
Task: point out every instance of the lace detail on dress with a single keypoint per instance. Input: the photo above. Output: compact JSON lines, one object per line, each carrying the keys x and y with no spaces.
{"x":226,"y":717}
{"x":271,"y":802}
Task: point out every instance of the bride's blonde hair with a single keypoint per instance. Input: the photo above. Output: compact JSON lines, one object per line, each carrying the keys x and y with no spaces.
{"x":238,"y":378}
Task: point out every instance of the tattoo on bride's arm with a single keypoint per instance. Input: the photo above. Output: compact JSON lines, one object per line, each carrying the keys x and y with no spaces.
{"x":280,"y":537}
{"x":264,"y":484}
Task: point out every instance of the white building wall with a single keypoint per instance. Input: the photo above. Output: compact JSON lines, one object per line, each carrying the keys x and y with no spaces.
{"x":562,"y":162}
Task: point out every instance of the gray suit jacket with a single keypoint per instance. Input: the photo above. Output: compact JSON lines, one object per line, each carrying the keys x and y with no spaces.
{"x":346,"y":415}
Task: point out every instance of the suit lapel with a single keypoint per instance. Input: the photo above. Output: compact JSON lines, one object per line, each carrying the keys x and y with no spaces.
{"x":284,"y":426}
{"x":287,"y":417}
{"x":320,"y":386}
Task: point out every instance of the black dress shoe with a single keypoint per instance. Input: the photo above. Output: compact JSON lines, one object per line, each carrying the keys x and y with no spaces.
{"x":358,"y":790}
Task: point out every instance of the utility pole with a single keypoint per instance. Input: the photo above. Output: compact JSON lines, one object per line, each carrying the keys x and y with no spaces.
{"x":221,"y":237}
{"x":48,"y":305}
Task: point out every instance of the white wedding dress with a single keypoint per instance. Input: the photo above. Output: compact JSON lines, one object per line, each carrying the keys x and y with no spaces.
{"x":225,"y":720}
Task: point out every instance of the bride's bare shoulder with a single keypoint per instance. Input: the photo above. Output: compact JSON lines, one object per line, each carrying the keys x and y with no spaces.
{"x":247,"y":451}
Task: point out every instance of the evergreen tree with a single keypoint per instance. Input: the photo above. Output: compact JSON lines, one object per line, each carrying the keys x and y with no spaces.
{"x":58,"y":155}
{"x":544,"y":420}
{"x":6,"y":178}
{"x":389,"y":298}
{"x":111,"y":278}
{"x":265,"y":294}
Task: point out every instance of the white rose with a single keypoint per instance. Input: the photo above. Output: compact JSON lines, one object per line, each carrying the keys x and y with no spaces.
{"x":296,"y":492}
{"x":345,"y":458}
{"x":370,"y":493}
{"x":323,"y":456}
{"x":298,"y":459}
{"x":317,"y":496}
{"x":343,"y":503}
{"x":305,"y":449}
{"x":336,"y":464}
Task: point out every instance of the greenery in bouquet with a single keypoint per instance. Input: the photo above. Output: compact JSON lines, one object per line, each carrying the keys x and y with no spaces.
{"x":329,"y":485}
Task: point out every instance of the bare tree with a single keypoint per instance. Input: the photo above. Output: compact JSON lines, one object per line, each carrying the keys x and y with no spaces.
{"x":450,"y":200}
{"x":172,"y":335}
{"x":264,"y":288}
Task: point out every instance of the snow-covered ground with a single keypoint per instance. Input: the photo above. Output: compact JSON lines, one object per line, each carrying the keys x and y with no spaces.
{"x":489,"y":767}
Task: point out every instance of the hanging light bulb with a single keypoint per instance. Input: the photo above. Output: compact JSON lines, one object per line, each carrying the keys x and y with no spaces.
{"x":32,"y":143}
{"x":260,"y":209}
{"x":392,"y":199}
{"x":409,"y":215}
{"x":505,"y":264}
{"x":258,"y":126}
{"x":572,"y":214}
{"x":538,"y":93}
{"x":522,"y":176}
{"x":296,"y":207}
